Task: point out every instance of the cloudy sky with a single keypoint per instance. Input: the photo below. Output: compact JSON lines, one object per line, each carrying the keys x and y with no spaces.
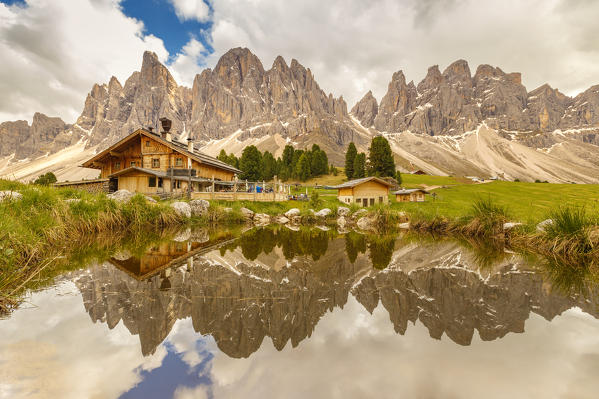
{"x":53,"y":51}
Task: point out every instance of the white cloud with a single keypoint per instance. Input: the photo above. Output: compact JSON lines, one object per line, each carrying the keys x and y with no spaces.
{"x":186,"y":64}
{"x":353,"y":46}
{"x":55,"y":351}
{"x":191,"y":9}
{"x":53,"y":51}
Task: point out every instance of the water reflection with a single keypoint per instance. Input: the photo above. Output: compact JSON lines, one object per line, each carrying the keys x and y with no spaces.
{"x":278,"y":283}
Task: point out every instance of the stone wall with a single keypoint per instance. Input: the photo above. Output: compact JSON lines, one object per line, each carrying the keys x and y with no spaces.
{"x":91,"y":186}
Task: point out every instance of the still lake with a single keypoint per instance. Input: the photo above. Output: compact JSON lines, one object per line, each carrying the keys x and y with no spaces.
{"x":272,"y":312}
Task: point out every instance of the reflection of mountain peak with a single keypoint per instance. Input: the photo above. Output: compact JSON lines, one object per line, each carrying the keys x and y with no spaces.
{"x":241,"y":305}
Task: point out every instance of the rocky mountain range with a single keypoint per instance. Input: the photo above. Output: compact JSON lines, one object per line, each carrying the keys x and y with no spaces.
{"x":430,"y":124}
{"x":281,"y":295}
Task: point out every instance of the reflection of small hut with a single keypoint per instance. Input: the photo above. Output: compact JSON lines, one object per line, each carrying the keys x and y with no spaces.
{"x":411,"y":195}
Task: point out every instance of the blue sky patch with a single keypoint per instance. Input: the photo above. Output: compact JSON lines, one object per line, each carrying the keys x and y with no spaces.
{"x":160,"y":20}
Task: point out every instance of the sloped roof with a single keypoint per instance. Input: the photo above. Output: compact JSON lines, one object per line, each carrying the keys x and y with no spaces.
{"x":357,"y":182}
{"x":174,"y":144}
{"x":411,"y":190}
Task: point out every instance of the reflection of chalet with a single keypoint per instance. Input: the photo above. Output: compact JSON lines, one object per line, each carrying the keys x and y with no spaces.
{"x":152,"y":163}
{"x":164,"y":256}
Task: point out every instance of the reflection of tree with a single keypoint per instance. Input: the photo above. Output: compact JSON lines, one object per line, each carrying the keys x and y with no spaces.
{"x":381,"y":250}
{"x":354,"y":244}
{"x":293,"y":243}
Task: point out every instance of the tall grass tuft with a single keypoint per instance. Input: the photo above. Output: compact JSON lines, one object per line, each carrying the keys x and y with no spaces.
{"x":574,"y":233}
{"x":486,"y":219}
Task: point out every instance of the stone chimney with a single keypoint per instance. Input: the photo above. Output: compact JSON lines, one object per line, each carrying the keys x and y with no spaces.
{"x":166,"y":129}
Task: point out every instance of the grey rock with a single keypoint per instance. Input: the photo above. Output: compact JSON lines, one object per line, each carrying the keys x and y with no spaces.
{"x":404,"y":226}
{"x":541,"y":227}
{"x":262,"y":219}
{"x":343,"y":211}
{"x":324,"y":212}
{"x":150,"y":199}
{"x":121,"y":195}
{"x":199,"y":207}
{"x":247,"y":213}
{"x":182,"y":209}
{"x":511,"y":225}
{"x":341,"y":221}
{"x":292,"y":212}
{"x":366,"y":223}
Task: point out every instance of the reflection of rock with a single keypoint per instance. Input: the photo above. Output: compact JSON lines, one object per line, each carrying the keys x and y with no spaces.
{"x":184,"y":235}
{"x":240,"y":302}
{"x":122,"y":255}
{"x":200,"y":235}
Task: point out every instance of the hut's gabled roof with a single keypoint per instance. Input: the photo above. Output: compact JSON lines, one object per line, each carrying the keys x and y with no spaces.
{"x":410,"y":190}
{"x":174,"y":144}
{"x":357,"y":182}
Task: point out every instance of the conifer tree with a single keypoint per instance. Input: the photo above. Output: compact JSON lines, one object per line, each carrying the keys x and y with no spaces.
{"x":350,"y":156}
{"x":359,"y":167}
{"x":380,"y":158}
{"x":251,"y":163}
{"x":303,"y":167}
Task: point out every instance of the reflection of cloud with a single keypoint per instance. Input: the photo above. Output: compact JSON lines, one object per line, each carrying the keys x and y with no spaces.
{"x":556,"y":359}
{"x":56,"y":352}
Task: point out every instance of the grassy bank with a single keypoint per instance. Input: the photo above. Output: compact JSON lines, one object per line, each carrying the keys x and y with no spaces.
{"x":46,"y":221}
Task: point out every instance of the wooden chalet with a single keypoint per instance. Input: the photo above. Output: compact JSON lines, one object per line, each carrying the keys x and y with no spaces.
{"x":410,"y":195}
{"x":365,"y":191}
{"x":151,"y":163}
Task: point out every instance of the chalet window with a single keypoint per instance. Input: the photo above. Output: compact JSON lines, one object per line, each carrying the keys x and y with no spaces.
{"x":371,"y":201}
{"x":156,"y":162}
{"x":160,"y":182}
{"x":132,"y":163}
{"x":152,"y":181}
{"x":179,"y":162}
{"x":147,"y":143}
{"x":380,"y":200}
{"x":117,"y":165}
{"x":178,"y":184}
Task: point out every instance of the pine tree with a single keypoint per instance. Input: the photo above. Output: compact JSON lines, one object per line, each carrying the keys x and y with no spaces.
{"x":380,"y":158}
{"x":222,"y":156}
{"x":303,"y":167}
{"x":359,"y":167}
{"x":398,"y":178}
{"x":350,"y":157}
{"x":269,"y":165}
{"x":288,"y":155}
{"x":251,"y":163}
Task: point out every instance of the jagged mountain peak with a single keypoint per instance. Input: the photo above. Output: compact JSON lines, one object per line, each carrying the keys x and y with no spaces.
{"x":458,"y":69}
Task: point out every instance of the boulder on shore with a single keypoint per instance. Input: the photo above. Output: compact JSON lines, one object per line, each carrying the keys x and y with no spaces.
{"x":510,"y":225}
{"x":261,"y":218}
{"x":541,"y":227}
{"x":182,"y":209}
{"x":247,"y":213}
{"x":404,"y":226}
{"x":343,"y":211}
{"x":121,"y":195}
{"x":323,"y":213}
{"x":292,"y":212}
{"x":366,"y":223}
{"x":199,"y":207}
